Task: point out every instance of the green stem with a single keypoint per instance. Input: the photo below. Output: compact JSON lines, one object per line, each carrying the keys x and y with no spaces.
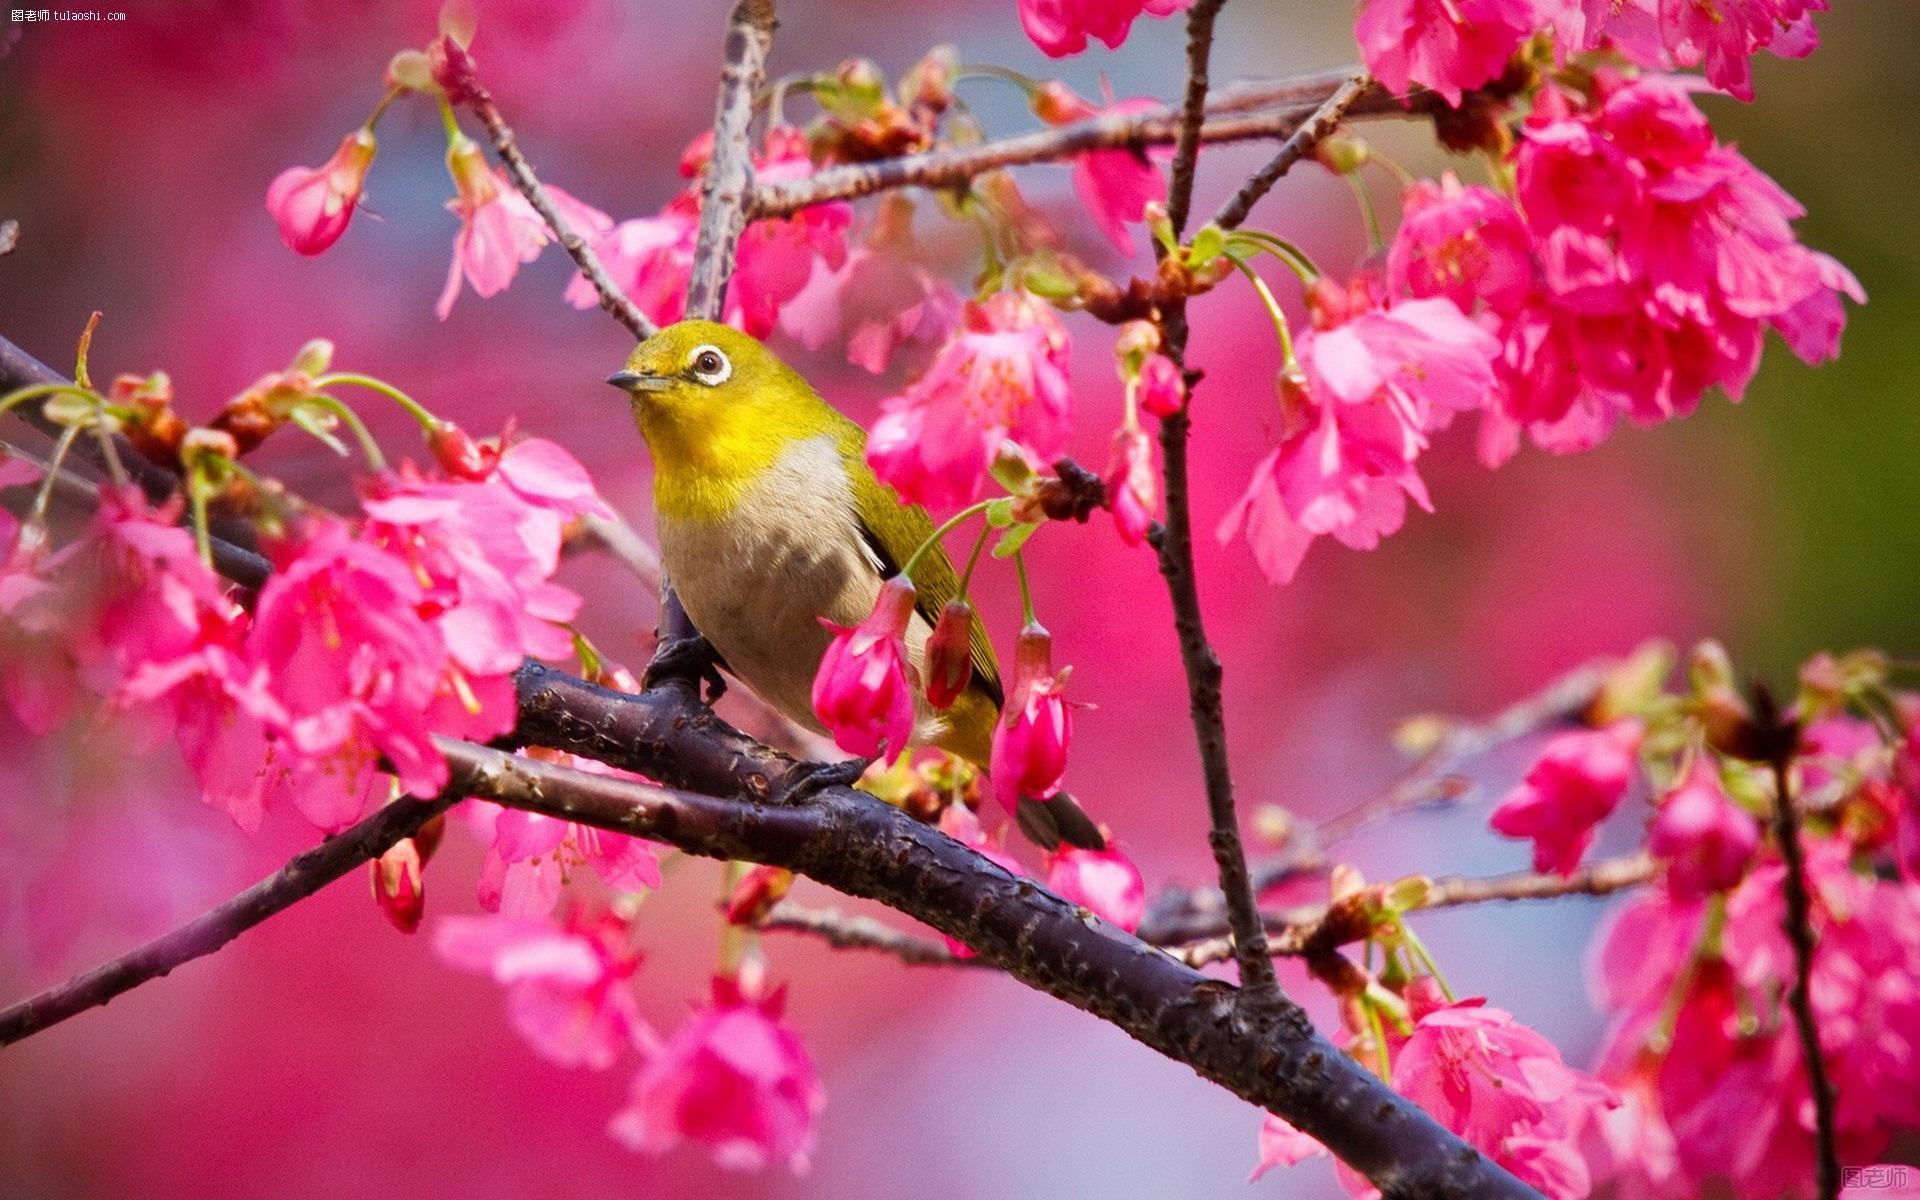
{"x":368,"y":446}
{"x":197,"y":487}
{"x":933,"y":539}
{"x":1273,"y":311}
{"x":973,"y":560}
{"x":380,"y":109}
{"x":415,"y":409}
{"x":1026,"y":83}
{"x":1026,"y":589}
{"x":15,"y":398}
{"x":1297,"y":260}
{"x":450,"y":122}
{"x":1375,"y":239}
{"x":1400,"y":173}
{"x":44,"y":497}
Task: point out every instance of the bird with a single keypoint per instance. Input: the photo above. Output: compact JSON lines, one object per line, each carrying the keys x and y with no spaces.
{"x":770,"y":520}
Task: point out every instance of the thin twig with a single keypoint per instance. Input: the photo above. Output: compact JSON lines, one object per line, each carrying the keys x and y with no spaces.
{"x":1799,"y":930}
{"x":847,"y":931}
{"x":729,"y":178}
{"x":304,"y":875}
{"x":1173,"y":543}
{"x":1242,"y":113}
{"x":464,"y":87}
{"x":1299,"y":143}
{"x":1292,"y":932}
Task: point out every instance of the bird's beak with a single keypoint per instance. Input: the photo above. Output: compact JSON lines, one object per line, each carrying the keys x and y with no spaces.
{"x":636,"y":381}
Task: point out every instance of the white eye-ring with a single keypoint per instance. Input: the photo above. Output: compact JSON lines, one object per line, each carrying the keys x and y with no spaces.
{"x":709,"y":365}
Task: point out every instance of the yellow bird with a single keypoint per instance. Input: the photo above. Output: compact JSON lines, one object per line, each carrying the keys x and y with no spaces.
{"x":769,"y":519}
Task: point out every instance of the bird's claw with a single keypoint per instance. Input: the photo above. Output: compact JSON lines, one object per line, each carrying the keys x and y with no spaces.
{"x":689,"y":659}
{"x":806,"y":779}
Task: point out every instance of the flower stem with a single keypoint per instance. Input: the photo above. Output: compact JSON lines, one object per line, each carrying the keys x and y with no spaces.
{"x":1026,"y":589}
{"x":368,"y":446}
{"x":1273,"y":311}
{"x":933,"y":539}
{"x":37,"y":515}
{"x":973,"y":560}
{"x":1375,"y":239}
{"x":415,"y":409}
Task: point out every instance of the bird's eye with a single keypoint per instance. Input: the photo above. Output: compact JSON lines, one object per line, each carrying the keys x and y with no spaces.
{"x":709,"y":365}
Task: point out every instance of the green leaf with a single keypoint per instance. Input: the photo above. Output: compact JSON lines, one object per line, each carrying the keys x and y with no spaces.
{"x":1208,"y":244}
{"x":1000,"y":512}
{"x":1011,"y":541}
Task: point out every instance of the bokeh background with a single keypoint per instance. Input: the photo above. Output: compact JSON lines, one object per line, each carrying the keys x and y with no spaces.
{"x":323,"y":1054}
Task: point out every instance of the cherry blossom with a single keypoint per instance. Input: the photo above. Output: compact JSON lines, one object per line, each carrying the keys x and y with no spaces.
{"x":1448,"y":45}
{"x":529,"y":854}
{"x":1030,"y":741}
{"x":1577,"y":782}
{"x":1706,"y":839}
{"x":568,"y":985}
{"x":1062,"y":27}
{"x":1003,"y":375}
{"x":861,"y":692}
{"x":312,"y":205}
{"x":1104,"y":881}
{"x":733,"y":1079}
{"x":499,"y":228}
{"x":1115,"y":186}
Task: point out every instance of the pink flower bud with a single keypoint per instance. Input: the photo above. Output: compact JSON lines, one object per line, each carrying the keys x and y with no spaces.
{"x":1162,"y":391}
{"x":312,"y":205}
{"x":1133,"y":493}
{"x":950,"y":654}
{"x":861,"y":692}
{"x":757,"y":893}
{"x":1706,"y":839}
{"x":1104,"y":881}
{"x":1030,"y":742}
{"x":397,"y":886}
{"x":458,"y":454}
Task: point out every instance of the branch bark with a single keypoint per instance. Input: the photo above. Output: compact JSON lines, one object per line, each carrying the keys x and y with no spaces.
{"x":1798,"y":926}
{"x":1241,"y":113}
{"x":729,"y":179}
{"x":1299,"y":144}
{"x":1173,"y":542}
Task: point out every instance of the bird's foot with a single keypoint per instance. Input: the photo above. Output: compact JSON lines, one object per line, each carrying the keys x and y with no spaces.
{"x":804,"y":780}
{"x":688,"y":659}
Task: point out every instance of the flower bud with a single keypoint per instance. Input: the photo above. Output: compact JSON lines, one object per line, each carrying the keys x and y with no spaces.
{"x":458,"y":454}
{"x":756,"y":894}
{"x":861,"y":692}
{"x":950,"y":654}
{"x":410,"y":69}
{"x":398,"y":887}
{"x":1706,"y":839}
{"x":1057,"y":104}
{"x":1343,"y":152}
{"x":471,"y":177}
{"x":1103,"y":881}
{"x":312,"y":205}
{"x":1030,"y":741}
{"x":1162,"y":390}
{"x":929,"y":82}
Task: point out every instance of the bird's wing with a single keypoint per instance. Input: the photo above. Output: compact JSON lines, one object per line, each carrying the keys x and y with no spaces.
{"x":893,"y":528}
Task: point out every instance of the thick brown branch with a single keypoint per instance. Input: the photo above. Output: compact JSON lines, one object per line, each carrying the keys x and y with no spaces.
{"x":1173,"y":542}
{"x":1799,"y":930}
{"x":1277,"y":109}
{"x":464,"y":87}
{"x":729,"y":179}
{"x":1299,"y":143}
{"x":300,"y":878}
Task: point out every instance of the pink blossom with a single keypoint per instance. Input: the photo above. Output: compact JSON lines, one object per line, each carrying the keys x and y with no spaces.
{"x":1281,"y":1145}
{"x":530,"y":855}
{"x":1030,"y":741}
{"x":356,"y":668}
{"x":1133,"y":490}
{"x":397,"y":885}
{"x":1003,"y":375}
{"x":1162,"y":391}
{"x":1375,"y":385}
{"x":1061,"y":27}
{"x":861,"y":692}
{"x":1704,"y":837}
{"x":1576,"y":783}
{"x":1450,"y":46}
{"x":1466,"y":244}
{"x":312,"y":205}
{"x":568,"y":984}
{"x":880,"y":300}
{"x":648,"y":259}
{"x":1115,"y":186}
{"x":1103,"y":881}
{"x":499,"y":229}
{"x":732,"y":1078}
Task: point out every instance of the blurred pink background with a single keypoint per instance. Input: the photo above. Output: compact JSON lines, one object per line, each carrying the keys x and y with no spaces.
{"x":323,"y":1054}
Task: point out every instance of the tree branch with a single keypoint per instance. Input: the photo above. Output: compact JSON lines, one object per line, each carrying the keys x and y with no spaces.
{"x":729,"y":179}
{"x":845,"y":931}
{"x":464,"y":87}
{"x":1173,"y":542}
{"x":1299,"y":143}
{"x":1292,"y":102}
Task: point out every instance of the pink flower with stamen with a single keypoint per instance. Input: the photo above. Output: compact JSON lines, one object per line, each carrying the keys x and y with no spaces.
{"x":1451,"y":46}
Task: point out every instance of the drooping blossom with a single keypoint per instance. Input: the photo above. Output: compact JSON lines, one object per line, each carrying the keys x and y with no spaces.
{"x":312,"y":205}
{"x":1376,"y":381}
{"x":1162,"y":392}
{"x":949,"y":654}
{"x":1062,"y":27}
{"x":1281,"y":1145}
{"x":1115,"y":186}
{"x":733,"y":1079}
{"x":1643,"y":264}
{"x":1705,"y":838}
{"x":398,"y":886}
{"x":1133,"y":489}
{"x":1030,"y":740}
{"x":529,"y":855}
{"x":879,"y":300}
{"x":1698,"y":1023}
{"x":1103,"y":881}
{"x":499,"y":229}
{"x":1576,"y":783}
{"x":1002,"y":376}
{"x":651,"y":258}
{"x":862,"y":693}
{"x":568,"y":984}
{"x":1450,"y":46}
